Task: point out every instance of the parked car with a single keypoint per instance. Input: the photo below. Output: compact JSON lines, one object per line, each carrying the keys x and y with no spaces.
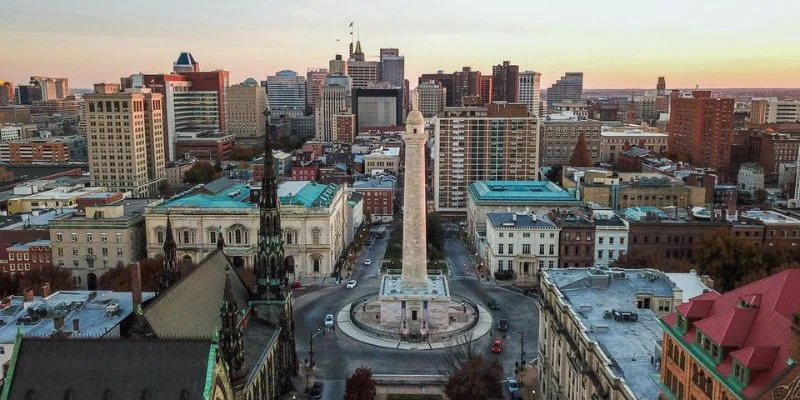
{"x":512,"y":386}
{"x":351,"y":284}
{"x":502,"y":325}
{"x":297,"y":284}
{"x":316,"y":391}
{"x":493,"y":304}
{"x":497,"y":346}
{"x":329,"y":320}
{"x":368,"y":262}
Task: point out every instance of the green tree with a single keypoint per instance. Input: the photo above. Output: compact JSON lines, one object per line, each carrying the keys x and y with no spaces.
{"x":360,"y":385}
{"x":728,"y":259}
{"x":201,"y":172}
{"x":479,"y":379}
{"x":58,"y":278}
{"x":554,"y":174}
{"x":240,"y":153}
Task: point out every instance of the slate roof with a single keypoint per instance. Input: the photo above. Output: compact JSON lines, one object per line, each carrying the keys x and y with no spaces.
{"x":190,"y":308}
{"x":87,"y":368}
{"x":217,"y":186}
{"x":753,"y":323}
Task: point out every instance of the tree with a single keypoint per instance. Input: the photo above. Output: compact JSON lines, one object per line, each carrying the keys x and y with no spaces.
{"x":239,"y":153}
{"x":201,"y":172}
{"x":647,"y":259}
{"x":360,"y":385}
{"x":456,"y":356}
{"x":165,"y":189}
{"x":218,"y":167}
{"x":58,"y":278}
{"x":478,"y":380}
{"x":728,"y":259}
{"x":760,"y":195}
{"x":434,"y":230}
{"x":119,"y":279}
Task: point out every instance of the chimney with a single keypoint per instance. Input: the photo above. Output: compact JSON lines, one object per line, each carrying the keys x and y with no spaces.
{"x":46,"y":290}
{"x":58,"y":323}
{"x":76,"y":325}
{"x":28,"y":295}
{"x":136,"y":286}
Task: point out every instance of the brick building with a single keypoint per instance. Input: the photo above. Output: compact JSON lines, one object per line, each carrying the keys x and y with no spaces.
{"x":576,"y":247}
{"x":209,"y":146}
{"x":308,"y":172}
{"x":771,"y":149}
{"x":701,"y":129}
{"x":378,"y":197}
{"x":26,"y":257}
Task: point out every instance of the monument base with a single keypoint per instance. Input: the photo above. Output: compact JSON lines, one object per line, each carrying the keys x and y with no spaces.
{"x":418,"y":309}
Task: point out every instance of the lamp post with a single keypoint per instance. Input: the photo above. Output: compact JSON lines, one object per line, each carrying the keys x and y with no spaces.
{"x":310,"y":363}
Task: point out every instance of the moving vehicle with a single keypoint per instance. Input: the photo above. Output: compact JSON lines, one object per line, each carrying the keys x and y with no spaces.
{"x":493,"y":304}
{"x":351,"y":284}
{"x":329,"y":320}
{"x":297,"y":284}
{"x":512,"y":385}
{"x":502,"y":325}
{"x":497,"y":346}
{"x":368,"y":262}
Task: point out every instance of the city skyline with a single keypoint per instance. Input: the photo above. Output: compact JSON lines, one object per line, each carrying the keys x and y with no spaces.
{"x":625,"y":46}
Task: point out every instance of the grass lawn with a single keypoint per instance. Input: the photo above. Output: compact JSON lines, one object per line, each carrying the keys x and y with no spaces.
{"x":415,"y":397}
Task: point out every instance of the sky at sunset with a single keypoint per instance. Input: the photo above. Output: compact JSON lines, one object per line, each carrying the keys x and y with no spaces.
{"x":616,"y":43}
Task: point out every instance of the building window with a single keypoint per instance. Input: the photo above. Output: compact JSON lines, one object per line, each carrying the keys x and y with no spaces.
{"x":74,"y":251}
{"x":119,"y":251}
{"x":315,"y":236}
{"x":526,"y":249}
{"x":541,"y":264}
{"x":75,"y":263}
{"x":663,"y":305}
{"x":61,"y":251}
{"x":541,"y":249}
{"x":550,"y":264}
{"x":499,"y":265}
{"x":59,"y":237}
{"x":600,"y":240}
{"x":90,"y":251}
{"x":500,"y":248}
{"x":212,"y":236}
{"x":501,"y":234}
{"x":622,"y":240}
{"x":611,"y":240}
{"x":119,"y":238}
{"x":88,"y":237}
{"x":237,"y":236}
{"x":552,"y":249}
{"x":74,"y":237}
{"x":103,"y":237}
{"x":526,"y":235}
{"x":510,"y":265}
{"x":160,"y":237}
{"x":317,"y":263}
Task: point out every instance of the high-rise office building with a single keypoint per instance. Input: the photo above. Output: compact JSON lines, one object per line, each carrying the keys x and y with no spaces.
{"x":529,"y":91}
{"x":127,"y":155}
{"x":497,"y":142}
{"x":432,"y":97}
{"x":286,"y":92}
{"x":569,"y":87}
{"x":661,"y":86}
{"x":337,"y":66}
{"x":244,"y":110}
{"x":334,"y":99}
{"x":392,"y":67}
{"x":505,"y":82}
{"x":185,"y":63}
{"x":446,"y":81}
{"x":466,"y":83}
{"x":51,"y":88}
{"x":378,"y":107}
{"x":28,"y":94}
{"x":773,"y":111}
{"x":701,"y":128}
{"x":315,"y":78}
{"x":344,"y":127}
{"x":363,"y":73}
{"x":486,"y":89}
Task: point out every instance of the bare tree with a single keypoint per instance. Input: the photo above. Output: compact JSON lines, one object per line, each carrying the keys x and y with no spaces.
{"x":456,"y":356}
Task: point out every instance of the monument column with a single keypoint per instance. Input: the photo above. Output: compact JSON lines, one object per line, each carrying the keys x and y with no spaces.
{"x":415,"y":259}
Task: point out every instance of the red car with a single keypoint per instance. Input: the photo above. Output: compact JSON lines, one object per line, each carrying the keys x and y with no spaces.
{"x":296,"y":285}
{"x":497,"y":347}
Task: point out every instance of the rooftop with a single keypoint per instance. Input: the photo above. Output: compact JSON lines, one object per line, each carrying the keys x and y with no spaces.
{"x":34,"y":219}
{"x":394,"y":285}
{"x":528,"y":192}
{"x":131,"y":208}
{"x":377,"y":182}
{"x":629,"y":345}
{"x":770,"y":217}
{"x":63,"y":193}
{"x":96,"y":316}
{"x":307,"y":193}
{"x":385,"y":151}
{"x":519,"y":221}
{"x":234,"y":197}
{"x":26,"y":246}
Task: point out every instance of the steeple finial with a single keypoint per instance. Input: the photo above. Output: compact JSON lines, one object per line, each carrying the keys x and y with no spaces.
{"x":230,"y":335}
{"x":169,"y":273}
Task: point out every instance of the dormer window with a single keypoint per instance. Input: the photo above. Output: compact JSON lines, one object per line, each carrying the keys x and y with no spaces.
{"x":741,"y":373}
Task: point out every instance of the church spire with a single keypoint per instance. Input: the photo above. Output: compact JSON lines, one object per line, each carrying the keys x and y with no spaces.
{"x":269,"y":266}
{"x":231,"y":340}
{"x":170,"y":273}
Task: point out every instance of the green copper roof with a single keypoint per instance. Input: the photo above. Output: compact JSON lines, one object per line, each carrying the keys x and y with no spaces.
{"x":235,"y":197}
{"x":307,"y":194}
{"x":520,"y":192}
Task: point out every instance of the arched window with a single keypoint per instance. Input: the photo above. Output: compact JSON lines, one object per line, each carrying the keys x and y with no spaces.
{"x":237,"y":236}
{"x":317,"y":262}
{"x":315,"y":236}
{"x":288,"y":237}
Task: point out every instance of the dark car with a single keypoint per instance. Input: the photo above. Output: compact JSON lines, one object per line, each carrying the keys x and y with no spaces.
{"x":493,"y":304}
{"x":316,"y":391}
{"x":502,"y":325}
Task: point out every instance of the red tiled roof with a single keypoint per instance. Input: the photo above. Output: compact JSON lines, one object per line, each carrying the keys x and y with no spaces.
{"x":748,"y":333}
{"x":756,"y":358}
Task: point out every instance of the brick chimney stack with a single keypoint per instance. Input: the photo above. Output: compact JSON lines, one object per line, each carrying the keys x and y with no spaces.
{"x":28,"y":295}
{"x":136,"y":286}
{"x":58,"y":323}
{"x":46,"y":290}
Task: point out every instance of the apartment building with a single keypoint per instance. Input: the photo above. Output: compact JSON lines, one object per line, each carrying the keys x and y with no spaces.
{"x":560,"y":133}
{"x":519,"y":245}
{"x":497,"y":142}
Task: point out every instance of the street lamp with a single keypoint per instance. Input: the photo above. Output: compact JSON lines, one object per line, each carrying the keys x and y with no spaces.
{"x":310,"y":362}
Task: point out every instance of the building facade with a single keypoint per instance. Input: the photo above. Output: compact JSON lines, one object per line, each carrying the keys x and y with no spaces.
{"x":701,"y":128}
{"x":363,"y":73}
{"x":530,"y":91}
{"x":521,"y":245}
{"x":614,"y":141}
{"x":774,"y":111}
{"x":126,"y":140}
{"x":315,"y":78}
{"x":568,"y":87}
{"x":245,"y":111}
{"x":432,"y":98}
{"x":576,"y":246}
{"x":377,"y":107}
{"x":286,"y":93}
{"x":497,"y":142}
{"x":751,"y":177}
{"x":378,"y":197}
{"x":560,"y":133}
{"x":610,"y":238}
{"x":102,"y":237}
{"x":28,"y":258}
{"x":344,"y":127}
{"x":505,"y":82}
{"x":466,"y":84}
{"x":382,"y":159}
{"x":334,"y":99}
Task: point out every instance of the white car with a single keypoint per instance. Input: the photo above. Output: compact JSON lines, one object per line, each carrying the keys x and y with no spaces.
{"x":329,"y":320}
{"x":351,"y":284}
{"x":368,"y":262}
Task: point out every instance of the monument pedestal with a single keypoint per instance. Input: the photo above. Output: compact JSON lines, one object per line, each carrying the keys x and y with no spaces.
{"x":415,"y":308}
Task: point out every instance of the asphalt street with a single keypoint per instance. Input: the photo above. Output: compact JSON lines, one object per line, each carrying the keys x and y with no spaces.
{"x":337,"y":355}
{"x":374,"y":253}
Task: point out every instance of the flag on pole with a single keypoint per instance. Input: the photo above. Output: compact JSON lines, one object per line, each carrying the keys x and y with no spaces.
{"x":351,"y":25}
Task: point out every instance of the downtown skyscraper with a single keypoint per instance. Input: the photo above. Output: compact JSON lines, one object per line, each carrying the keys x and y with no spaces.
{"x":505,"y":82}
{"x":701,"y":129}
{"x":529,"y":91}
{"x":568,"y":88}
